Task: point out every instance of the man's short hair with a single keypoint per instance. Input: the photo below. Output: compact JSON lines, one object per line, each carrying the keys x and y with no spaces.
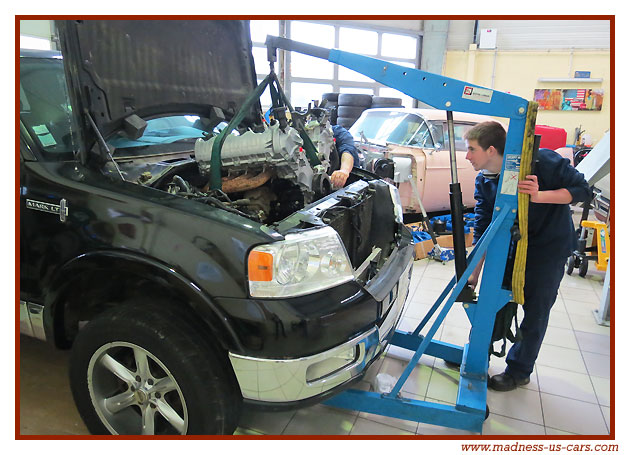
{"x":487,"y":134}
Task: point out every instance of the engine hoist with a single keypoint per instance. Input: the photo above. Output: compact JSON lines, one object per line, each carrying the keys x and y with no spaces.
{"x":448,"y":94}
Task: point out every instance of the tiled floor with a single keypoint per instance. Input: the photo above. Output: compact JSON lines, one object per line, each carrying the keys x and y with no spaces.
{"x":569,"y":392}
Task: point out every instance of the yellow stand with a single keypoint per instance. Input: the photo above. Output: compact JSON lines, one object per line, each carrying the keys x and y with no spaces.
{"x":601,"y":234}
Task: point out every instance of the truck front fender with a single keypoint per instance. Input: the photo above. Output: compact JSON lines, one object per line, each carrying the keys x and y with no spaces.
{"x":108,"y":273}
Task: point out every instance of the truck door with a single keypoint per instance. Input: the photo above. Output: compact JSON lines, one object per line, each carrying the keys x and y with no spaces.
{"x":47,"y":147}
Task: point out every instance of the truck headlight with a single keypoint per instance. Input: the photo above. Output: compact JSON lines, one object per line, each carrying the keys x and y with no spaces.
{"x":398,"y":210}
{"x":303,"y":263}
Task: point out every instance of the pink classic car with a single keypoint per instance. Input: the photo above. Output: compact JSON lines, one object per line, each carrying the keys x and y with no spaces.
{"x":417,"y":141}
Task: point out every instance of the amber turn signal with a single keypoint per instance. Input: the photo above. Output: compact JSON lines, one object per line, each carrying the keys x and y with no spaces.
{"x":260,"y":266}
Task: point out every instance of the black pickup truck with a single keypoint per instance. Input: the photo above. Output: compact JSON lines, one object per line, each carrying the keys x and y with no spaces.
{"x":183,"y":303}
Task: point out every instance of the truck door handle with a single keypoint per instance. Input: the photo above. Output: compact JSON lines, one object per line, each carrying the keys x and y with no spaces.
{"x":63,"y":210}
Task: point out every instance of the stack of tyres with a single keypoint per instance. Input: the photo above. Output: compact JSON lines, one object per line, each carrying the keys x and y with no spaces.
{"x":381,"y":101}
{"x":346,"y":108}
{"x":329,"y":101}
{"x":350,"y":107}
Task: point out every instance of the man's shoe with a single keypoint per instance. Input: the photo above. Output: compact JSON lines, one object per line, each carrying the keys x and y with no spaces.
{"x":504,"y":382}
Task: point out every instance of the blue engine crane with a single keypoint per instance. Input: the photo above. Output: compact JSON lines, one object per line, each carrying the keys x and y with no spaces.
{"x":441,"y":92}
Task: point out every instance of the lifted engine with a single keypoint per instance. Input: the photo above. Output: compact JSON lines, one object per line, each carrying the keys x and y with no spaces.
{"x":277,"y":149}
{"x":265,"y":175}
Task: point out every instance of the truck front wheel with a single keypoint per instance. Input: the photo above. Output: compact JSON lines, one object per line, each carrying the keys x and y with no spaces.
{"x":144,"y":369}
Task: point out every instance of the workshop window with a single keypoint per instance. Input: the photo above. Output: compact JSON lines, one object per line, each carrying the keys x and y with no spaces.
{"x":310,"y":67}
{"x":312,"y":33}
{"x":260,"y":60}
{"x":301,"y":71}
{"x":260,"y":29}
{"x":389,"y":92}
{"x":265,"y":98}
{"x":359,"y":41}
{"x":360,"y":90}
{"x":346,"y":74}
{"x":399,"y":46}
{"x":304,"y":93}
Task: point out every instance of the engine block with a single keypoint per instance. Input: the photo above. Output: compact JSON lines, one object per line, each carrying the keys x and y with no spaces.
{"x":281,"y":150}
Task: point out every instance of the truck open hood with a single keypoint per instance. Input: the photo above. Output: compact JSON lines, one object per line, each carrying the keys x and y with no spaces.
{"x":120,"y":67}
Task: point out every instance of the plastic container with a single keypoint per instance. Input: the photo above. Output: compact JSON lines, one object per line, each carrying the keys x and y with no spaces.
{"x":551,"y":137}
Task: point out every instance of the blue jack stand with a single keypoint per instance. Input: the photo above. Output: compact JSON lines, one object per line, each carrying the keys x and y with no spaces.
{"x":441,"y":92}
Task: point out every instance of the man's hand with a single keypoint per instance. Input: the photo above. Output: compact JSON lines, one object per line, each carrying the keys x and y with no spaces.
{"x":338,"y":178}
{"x":473,"y":279}
{"x":529,"y":186}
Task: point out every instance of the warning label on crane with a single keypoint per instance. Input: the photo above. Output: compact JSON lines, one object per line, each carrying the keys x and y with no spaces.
{"x":509,"y":185}
{"x":477,"y":93}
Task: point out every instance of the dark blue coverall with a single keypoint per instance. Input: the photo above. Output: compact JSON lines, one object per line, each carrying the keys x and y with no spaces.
{"x":552,"y":239}
{"x":345,"y":143}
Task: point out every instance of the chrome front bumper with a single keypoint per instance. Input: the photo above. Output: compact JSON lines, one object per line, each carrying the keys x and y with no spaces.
{"x":290,"y":380}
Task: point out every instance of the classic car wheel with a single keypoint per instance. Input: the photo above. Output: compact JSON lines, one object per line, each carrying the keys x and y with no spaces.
{"x":142,"y":369}
{"x":570,"y":265}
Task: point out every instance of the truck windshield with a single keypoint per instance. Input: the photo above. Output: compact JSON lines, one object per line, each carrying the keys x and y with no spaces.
{"x":169,"y":134}
{"x":45,"y":107}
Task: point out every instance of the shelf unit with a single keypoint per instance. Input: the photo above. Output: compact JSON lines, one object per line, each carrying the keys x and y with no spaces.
{"x":570,"y":79}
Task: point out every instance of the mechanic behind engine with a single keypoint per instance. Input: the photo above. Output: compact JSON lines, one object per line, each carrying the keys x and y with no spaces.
{"x":348,"y":154}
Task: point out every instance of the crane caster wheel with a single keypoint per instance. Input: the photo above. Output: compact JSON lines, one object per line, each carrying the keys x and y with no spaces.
{"x":570,"y":265}
{"x":583,"y":268}
{"x":487,"y":413}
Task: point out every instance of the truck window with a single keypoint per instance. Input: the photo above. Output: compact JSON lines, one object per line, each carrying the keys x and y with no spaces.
{"x":45,"y":107}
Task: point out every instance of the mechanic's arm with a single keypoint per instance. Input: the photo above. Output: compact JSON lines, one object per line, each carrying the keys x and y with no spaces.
{"x":473,"y":279}
{"x":339,"y":177}
{"x":530,"y":186}
{"x":571,"y":185}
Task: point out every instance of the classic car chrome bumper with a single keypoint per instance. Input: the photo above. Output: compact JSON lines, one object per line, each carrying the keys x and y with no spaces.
{"x":290,"y":380}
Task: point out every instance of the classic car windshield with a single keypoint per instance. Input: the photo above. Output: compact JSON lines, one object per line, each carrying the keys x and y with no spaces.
{"x":381,"y":127}
{"x":45,"y":107}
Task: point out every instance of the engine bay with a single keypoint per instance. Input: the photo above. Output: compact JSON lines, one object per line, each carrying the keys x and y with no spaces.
{"x":266,"y":175}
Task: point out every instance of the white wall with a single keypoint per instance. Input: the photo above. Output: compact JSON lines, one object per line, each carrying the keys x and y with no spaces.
{"x":535,"y":34}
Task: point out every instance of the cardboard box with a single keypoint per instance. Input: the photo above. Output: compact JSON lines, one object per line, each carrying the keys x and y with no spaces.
{"x":423,"y":248}
{"x":446,"y":241}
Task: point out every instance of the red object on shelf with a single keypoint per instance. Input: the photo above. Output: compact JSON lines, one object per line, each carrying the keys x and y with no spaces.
{"x":551,"y":137}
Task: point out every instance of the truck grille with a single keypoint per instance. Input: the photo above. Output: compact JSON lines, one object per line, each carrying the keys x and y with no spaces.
{"x":364,"y":221}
